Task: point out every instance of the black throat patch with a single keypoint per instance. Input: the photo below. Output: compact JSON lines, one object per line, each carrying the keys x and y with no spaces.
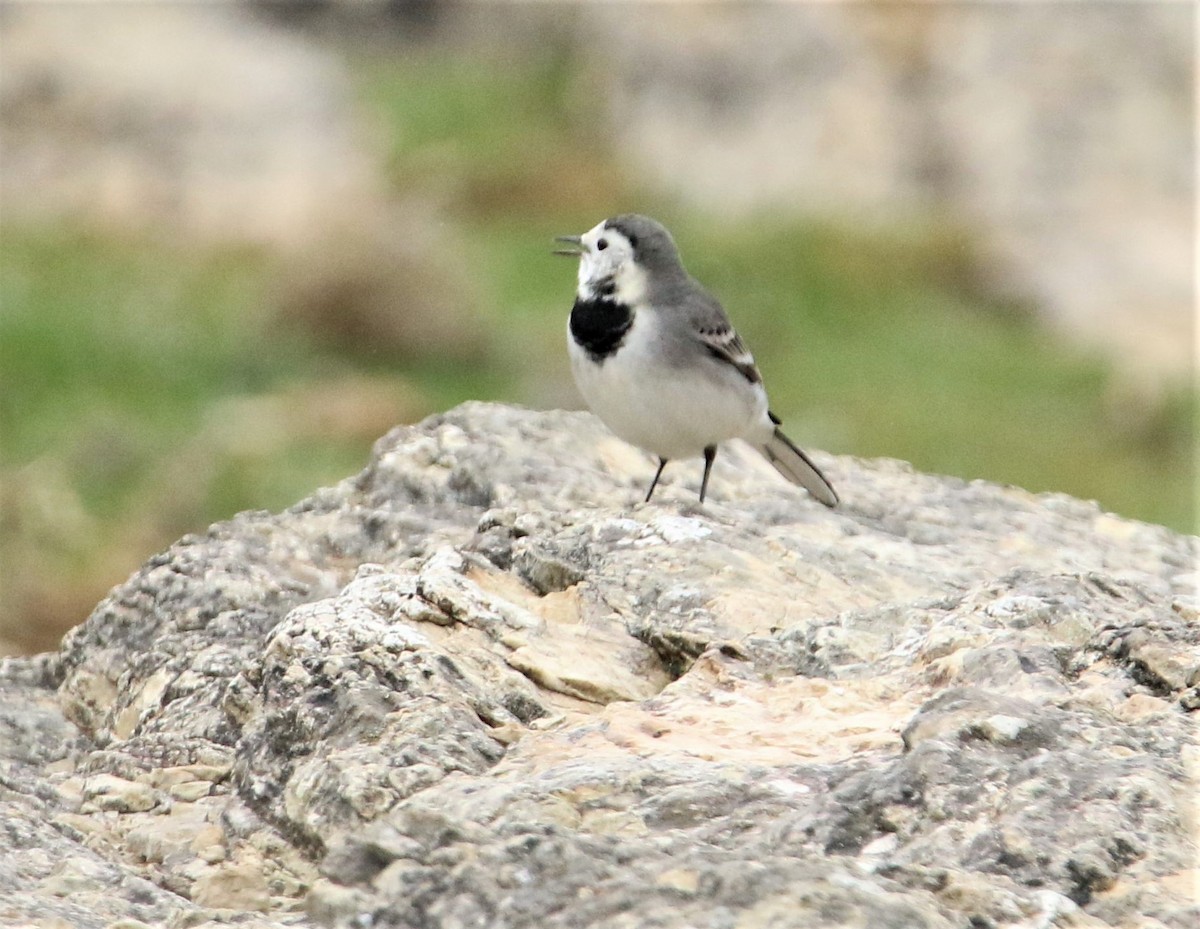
{"x":599,"y":325}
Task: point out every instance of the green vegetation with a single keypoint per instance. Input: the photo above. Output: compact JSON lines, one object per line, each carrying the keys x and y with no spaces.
{"x":120,"y":357}
{"x":885,"y":356}
{"x":113,"y":351}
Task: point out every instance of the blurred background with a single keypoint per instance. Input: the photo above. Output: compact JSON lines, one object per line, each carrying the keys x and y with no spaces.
{"x":238,"y":242}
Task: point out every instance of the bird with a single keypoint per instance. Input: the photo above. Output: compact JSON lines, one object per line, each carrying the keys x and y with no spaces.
{"x":657,"y":360}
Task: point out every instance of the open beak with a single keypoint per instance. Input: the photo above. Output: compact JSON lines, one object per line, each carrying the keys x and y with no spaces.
{"x":573,"y":240}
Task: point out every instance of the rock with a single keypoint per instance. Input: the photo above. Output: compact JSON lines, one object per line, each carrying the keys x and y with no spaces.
{"x":106,"y":792}
{"x":1054,"y":139}
{"x":481,"y":684}
{"x":195,"y":119}
{"x":233,"y":887}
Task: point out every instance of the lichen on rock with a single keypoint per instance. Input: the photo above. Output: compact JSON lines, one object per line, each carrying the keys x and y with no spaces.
{"x":481,"y":684}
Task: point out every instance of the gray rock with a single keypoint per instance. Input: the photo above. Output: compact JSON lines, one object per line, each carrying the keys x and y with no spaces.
{"x":481,"y":684}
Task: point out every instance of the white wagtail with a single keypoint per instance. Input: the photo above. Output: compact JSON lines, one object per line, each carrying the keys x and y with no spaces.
{"x":657,"y":360}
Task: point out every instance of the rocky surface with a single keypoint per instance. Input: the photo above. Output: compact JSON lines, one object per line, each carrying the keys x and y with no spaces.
{"x":479,"y":684}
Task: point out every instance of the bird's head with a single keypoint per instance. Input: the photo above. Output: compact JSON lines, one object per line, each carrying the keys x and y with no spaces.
{"x":618,"y":257}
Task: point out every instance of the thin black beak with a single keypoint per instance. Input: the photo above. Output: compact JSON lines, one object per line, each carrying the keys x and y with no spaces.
{"x":575,"y":240}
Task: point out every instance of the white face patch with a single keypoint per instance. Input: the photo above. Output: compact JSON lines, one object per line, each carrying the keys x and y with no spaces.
{"x":608,"y":256}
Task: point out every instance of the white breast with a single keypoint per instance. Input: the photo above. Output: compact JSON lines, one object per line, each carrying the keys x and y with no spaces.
{"x":673,"y":412}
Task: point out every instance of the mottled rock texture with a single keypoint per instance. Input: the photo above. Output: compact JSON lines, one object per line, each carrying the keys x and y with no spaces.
{"x":480,"y":684}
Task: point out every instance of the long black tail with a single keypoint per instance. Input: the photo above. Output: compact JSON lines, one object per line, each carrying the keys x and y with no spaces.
{"x":798,"y":468}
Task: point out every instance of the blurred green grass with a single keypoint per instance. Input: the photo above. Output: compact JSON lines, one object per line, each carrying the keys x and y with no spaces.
{"x":120,"y":355}
{"x":113,"y":349}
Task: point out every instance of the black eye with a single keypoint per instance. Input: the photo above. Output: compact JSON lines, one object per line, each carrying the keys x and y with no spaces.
{"x":633,"y":241}
{"x":602,"y":244}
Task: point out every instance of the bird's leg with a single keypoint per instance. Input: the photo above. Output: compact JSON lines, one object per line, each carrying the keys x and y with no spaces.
{"x":662,"y":463}
{"x":710,"y":454}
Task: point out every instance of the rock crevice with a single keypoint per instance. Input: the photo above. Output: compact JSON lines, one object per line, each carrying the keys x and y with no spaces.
{"x":480,"y":684}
